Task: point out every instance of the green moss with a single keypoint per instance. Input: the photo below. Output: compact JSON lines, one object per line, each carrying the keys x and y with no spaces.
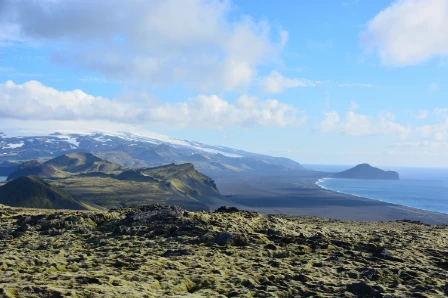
{"x":103,"y":262}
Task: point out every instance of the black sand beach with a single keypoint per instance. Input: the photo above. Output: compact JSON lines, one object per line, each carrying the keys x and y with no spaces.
{"x":299,"y":195}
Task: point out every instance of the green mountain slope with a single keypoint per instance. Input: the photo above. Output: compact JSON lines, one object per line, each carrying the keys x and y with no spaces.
{"x":167,"y":185}
{"x":33,"y":192}
{"x":36,"y":168}
{"x":182,"y":178}
{"x":106,"y":184}
{"x":81,"y":162}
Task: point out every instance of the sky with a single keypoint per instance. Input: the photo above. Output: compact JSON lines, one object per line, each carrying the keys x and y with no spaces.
{"x":321,"y":82}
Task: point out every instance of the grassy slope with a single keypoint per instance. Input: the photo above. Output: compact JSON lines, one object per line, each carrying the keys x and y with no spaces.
{"x":79,"y":175}
{"x":80,"y":162}
{"x":38,"y":169}
{"x":173,"y":184}
{"x":33,"y":192}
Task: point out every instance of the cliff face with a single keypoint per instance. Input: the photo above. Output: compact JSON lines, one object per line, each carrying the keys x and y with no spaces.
{"x":366,"y":171}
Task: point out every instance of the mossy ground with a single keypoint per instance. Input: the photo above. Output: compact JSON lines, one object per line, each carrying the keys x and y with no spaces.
{"x":155,"y":251}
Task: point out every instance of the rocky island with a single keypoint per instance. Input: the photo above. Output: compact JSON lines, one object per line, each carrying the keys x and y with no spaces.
{"x":166,"y":251}
{"x":366,"y":171}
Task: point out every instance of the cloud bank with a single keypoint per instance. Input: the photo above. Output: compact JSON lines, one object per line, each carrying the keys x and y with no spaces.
{"x":204,"y":44}
{"x":437,"y":132}
{"x":275,"y":82}
{"x":35,"y":101}
{"x":357,"y":125}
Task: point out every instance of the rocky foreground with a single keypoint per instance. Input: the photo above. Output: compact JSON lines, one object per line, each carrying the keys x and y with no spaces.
{"x":155,"y":251}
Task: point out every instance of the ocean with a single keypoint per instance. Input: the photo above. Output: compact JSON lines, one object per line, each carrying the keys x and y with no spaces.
{"x":423,"y":188}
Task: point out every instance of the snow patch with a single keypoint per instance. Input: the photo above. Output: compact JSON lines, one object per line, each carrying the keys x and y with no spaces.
{"x":141,"y":137}
{"x":13,"y":146}
{"x":102,"y":139}
{"x":155,"y":138}
{"x":70,"y":140}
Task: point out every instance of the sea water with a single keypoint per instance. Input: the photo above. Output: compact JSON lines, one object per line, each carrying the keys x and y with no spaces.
{"x":423,"y":188}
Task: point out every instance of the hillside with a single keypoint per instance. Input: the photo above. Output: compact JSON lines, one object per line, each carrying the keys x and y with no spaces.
{"x":181,"y":185}
{"x":33,"y":192}
{"x":106,"y":184}
{"x":155,"y":251}
{"x":81,"y":162}
{"x":183,"y":177}
{"x":36,"y":168}
{"x":64,"y":165}
{"x":366,"y":171}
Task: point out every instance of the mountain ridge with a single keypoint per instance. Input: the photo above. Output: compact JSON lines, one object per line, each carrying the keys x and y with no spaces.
{"x":102,"y":183}
{"x":81,"y":162}
{"x":146,"y":149}
{"x":35,"y":168}
{"x":91,"y":179}
{"x":63,"y":166}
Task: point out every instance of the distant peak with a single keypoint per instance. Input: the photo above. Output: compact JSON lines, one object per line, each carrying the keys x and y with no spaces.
{"x":364,"y":165}
{"x":30,"y":163}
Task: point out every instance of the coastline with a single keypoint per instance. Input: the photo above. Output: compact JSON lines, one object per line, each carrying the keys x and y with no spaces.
{"x":301,"y":196}
{"x":376,"y":199}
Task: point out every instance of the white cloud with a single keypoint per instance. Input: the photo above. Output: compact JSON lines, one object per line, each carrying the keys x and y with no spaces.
{"x":331,"y":122}
{"x":357,"y":125}
{"x":409,"y":32}
{"x":441,"y":112}
{"x":422,"y":115}
{"x":35,"y":101}
{"x":275,"y":82}
{"x":437,"y":132}
{"x":353,"y":105}
{"x":203,"y":44}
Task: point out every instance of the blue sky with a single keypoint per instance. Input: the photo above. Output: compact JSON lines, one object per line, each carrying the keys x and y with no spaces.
{"x":333,"y":82}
